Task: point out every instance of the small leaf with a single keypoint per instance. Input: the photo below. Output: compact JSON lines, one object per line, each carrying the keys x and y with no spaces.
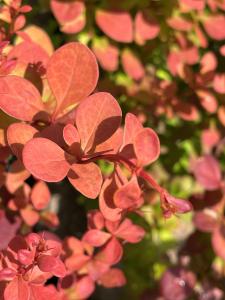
{"x":18,"y":134}
{"x":111,"y":253}
{"x":115,"y":24}
{"x":207,"y":172}
{"x":132,"y":65}
{"x":146,"y":27}
{"x":106,"y":201}
{"x":45,"y":160}
{"x":70,"y":134}
{"x":19,"y":98}
{"x":40,"y":195}
{"x":107,"y":54}
{"x":129,"y":195}
{"x":51,"y":264}
{"x":70,"y":15}
{"x":146,"y":146}
{"x":113,"y":278}
{"x":129,"y":232}
{"x":131,"y":128}
{"x":96,"y":238}
{"x":86,"y":178}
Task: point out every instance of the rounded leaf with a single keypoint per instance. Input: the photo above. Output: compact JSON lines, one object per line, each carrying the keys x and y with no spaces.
{"x":19,"y":98}
{"x":72,"y":73}
{"x":116,"y":24}
{"x":86,"y":178}
{"x":146,"y":146}
{"x":45,"y":160}
{"x":97,"y":125}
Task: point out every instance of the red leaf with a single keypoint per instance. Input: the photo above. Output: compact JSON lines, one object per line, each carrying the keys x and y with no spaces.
{"x":208,"y":62}
{"x":96,"y":238}
{"x":17,"y":290}
{"x":207,"y":172}
{"x":54,"y":265}
{"x":86,"y":178}
{"x":44,"y":292}
{"x":95,"y":219}
{"x":25,"y":257}
{"x":132,"y":127}
{"x":198,"y":5}
{"x":107,"y":54}
{"x":219,"y":83}
{"x":129,"y":195}
{"x":97,"y":125}
{"x":70,"y":15}
{"x":206,"y":220}
{"x":16,"y":176}
{"x":45,"y":160}
{"x":7,"y":274}
{"x":70,"y":134}
{"x":18,"y":134}
{"x":210,"y":138}
{"x":28,"y":54}
{"x":111,"y":253}
{"x":29,"y":215}
{"x":8,"y":229}
{"x":113,"y":278}
{"x":115,"y":24}
{"x":19,"y":98}
{"x":19,"y":23}
{"x":129,"y":232}
{"x":146,"y":146}
{"x":214,"y":26}
{"x":82,"y":288}
{"x":179,"y":23}
{"x":207,"y":100}
{"x":146,"y":27}
{"x":72,"y":74}
{"x":132,"y":65}
{"x":40,"y":195}
{"x":106,"y":201}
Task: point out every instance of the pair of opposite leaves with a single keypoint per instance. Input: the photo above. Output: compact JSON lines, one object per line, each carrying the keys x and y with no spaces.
{"x":72,"y":74}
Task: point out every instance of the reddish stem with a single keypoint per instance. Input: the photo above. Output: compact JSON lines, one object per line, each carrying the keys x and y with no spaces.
{"x":131,"y":166}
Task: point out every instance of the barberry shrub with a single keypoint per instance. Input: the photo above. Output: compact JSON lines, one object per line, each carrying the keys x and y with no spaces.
{"x":111,"y":116}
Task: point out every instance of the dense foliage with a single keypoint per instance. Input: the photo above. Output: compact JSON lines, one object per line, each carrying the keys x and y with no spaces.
{"x":112,"y":118}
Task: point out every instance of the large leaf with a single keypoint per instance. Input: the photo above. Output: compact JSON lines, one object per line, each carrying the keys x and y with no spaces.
{"x":72,"y":74}
{"x":97,"y":125}
{"x":45,"y":160}
{"x":19,"y":98}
